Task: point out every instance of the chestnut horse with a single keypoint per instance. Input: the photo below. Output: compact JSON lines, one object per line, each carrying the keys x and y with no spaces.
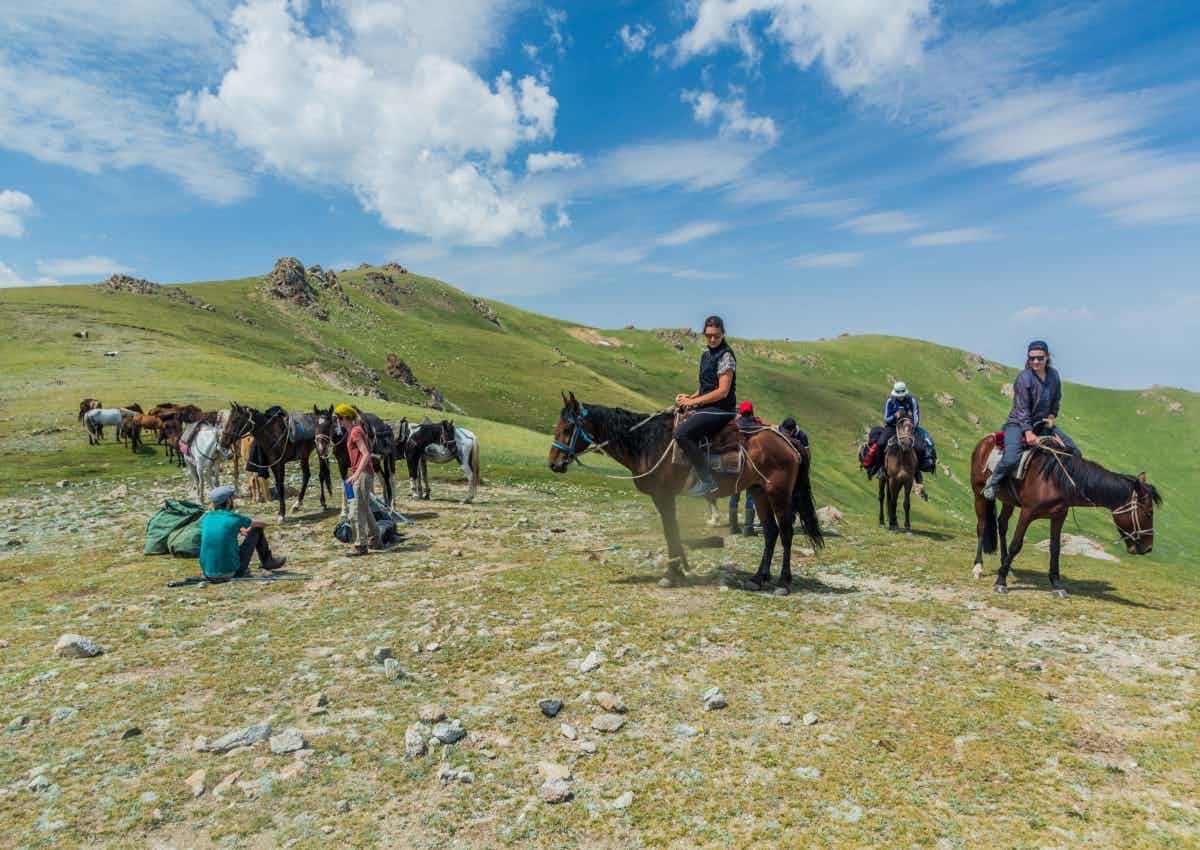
{"x":899,"y":469}
{"x":776,"y":473}
{"x":1056,"y":481}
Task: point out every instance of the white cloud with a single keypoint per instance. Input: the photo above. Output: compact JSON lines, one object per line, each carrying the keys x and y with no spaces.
{"x":765,"y":190}
{"x":688,"y":274}
{"x":424,"y":144}
{"x":635,"y":38}
{"x":91,"y":266}
{"x":892,"y":221}
{"x":389,"y":34}
{"x":1042,"y":313}
{"x":732,"y":116}
{"x":832,"y":260}
{"x":693,"y":166}
{"x":690,"y":233}
{"x":857,"y":42}
{"x":835,"y":208}
{"x":14,"y":206}
{"x":552,"y":161}
{"x":556,"y":20}
{"x":9,"y":278}
{"x":956,"y":236}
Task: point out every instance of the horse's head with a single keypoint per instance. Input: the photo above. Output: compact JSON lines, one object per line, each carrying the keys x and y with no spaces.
{"x":447,"y":427}
{"x":905,"y":432}
{"x":237,"y":425}
{"x":328,"y":430}
{"x":1135,"y":519}
{"x":571,"y":437}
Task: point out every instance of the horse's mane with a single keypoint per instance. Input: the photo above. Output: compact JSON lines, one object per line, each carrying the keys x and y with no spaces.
{"x":1082,"y":477}
{"x":618,"y":422}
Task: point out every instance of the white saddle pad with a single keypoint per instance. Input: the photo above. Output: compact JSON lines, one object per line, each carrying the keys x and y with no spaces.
{"x":1022,"y":464}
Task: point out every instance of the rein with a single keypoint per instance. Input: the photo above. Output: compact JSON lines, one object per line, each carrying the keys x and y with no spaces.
{"x":1132,"y":507}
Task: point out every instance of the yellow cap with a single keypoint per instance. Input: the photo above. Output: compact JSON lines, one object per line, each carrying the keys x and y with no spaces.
{"x":345,"y":411}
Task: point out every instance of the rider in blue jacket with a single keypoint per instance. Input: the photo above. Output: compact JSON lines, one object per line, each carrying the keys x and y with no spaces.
{"x":899,"y":403}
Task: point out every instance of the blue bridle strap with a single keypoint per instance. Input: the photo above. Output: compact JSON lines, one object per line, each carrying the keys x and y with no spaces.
{"x":576,"y":436}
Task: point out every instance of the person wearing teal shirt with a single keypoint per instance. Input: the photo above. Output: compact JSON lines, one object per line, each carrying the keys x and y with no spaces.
{"x":222,"y":556}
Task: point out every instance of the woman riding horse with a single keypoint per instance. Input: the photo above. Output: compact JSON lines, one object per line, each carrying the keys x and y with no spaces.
{"x":1036,"y":396}
{"x":713,"y":406}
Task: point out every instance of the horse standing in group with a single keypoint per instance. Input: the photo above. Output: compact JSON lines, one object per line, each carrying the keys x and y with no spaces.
{"x":899,"y":471}
{"x":282,"y":438}
{"x":203,"y":459}
{"x":1054,"y":482}
{"x":776,"y":473}
{"x":381,"y":442}
{"x":95,"y":419}
{"x":440,"y":442}
{"x":88,"y":404}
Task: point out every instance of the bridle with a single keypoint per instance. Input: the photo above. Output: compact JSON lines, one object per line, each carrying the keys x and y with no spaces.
{"x":325,"y":440}
{"x":572,"y":450}
{"x":1133,"y":508}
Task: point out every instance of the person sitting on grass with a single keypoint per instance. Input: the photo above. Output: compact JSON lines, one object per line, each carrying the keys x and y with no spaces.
{"x":222,"y":557}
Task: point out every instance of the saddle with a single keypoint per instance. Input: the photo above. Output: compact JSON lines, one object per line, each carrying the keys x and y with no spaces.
{"x":301,"y":427}
{"x":1017,"y":474}
{"x":722,"y":451}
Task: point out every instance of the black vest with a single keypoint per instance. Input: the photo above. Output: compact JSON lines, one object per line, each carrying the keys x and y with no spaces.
{"x":709,"y":378}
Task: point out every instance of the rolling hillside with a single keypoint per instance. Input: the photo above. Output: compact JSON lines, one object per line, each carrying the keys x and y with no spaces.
{"x":308,"y":338}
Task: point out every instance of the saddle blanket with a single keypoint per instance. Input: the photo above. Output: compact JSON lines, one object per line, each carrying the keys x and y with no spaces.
{"x":438,"y":453}
{"x":1022,"y":464}
{"x":301,"y":427}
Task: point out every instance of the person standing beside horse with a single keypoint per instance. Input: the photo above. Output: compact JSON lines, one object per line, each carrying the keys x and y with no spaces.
{"x":1037,"y":393}
{"x":361,"y":478}
{"x":713,"y":406}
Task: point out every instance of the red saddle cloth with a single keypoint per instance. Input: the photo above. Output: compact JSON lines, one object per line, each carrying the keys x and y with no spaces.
{"x":999,"y":438}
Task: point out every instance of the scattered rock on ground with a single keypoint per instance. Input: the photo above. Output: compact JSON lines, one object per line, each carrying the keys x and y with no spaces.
{"x":287,"y":741}
{"x":568,"y":731}
{"x":591,"y":662}
{"x":609,"y":702}
{"x":810,"y":718}
{"x":608,"y":722}
{"x":431,"y":713}
{"x":550,"y":707}
{"x":713,"y":699}
{"x":449,"y":732}
{"x":829,"y":515}
{"x":623,"y":802}
{"x":317,"y":703}
{"x":414,"y":741}
{"x":1077,"y":544}
{"x":555,"y":791}
{"x":549,"y":771}
{"x":1006,"y":390}
{"x":393,"y":670}
{"x":944,"y":399}
{"x":195,"y":782}
{"x":247,"y":736}
{"x":76,"y":646}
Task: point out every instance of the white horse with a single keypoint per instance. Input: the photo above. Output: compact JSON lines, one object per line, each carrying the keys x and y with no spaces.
{"x":203,"y":458}
{"x":95,"y":420}
{"x":440,"y":442}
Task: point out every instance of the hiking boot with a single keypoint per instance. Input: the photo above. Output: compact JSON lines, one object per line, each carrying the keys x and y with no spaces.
{"x":735,"y":529}
{"x":750,"y":532}
{"x":274,"y":564}
{"x":357,"y":552}
{"x":989,"y":492}
{"x":703,"y":486}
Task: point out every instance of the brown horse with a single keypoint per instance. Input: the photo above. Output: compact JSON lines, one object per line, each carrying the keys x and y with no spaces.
{"x":1056,"y":481}
{"x":273,"y":432}
{"x":88,"y":404}
{"x":898,"y":473}
{"x":775,"y":473}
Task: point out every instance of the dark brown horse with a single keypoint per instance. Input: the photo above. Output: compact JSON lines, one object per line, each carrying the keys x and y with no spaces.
{"x":88,"y":404}
{"x":331,"y":439}
{"x":1056,"y":481}
{"x":272,"y":431}
{"x":898,"y":472}
{"x":775,"y":473}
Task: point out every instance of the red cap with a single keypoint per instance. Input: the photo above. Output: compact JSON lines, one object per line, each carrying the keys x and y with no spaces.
{"x":746,"y":407}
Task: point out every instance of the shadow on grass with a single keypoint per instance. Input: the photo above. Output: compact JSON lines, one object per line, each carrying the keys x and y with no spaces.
{"x":737,"y":579}
{"x":423,"y":515}
{"x":931,"y":535}
{"x":1100,"y":589}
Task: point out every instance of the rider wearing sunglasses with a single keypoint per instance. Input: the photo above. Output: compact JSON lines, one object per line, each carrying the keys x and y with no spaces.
{"x":1036,"y":396}
{"x":715,"y":403}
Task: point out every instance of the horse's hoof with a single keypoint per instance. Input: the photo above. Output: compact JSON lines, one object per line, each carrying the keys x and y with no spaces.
{"x":1001,"y":588}
{"x":977,"y":571}
{"x":782,"y":590}
{"x":669,"y":581}
{"x":1060,"y":592}
{"x":467,"y":501}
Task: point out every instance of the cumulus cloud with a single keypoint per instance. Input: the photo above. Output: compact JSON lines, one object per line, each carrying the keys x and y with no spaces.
{"x":831,"y":260}
{"x":635,"y":39}
{"x":423,"y":143}
{"x":1040,"y":313}
{"x":91,"y":266}
{"x":690,"y":233}
{"x":552,"y":161}
{"x":857,"y":43}
{"x":731,"y":115}
{"x":956,"y":236}
{"x":688,"y":274}
{"x":892,"y":221}
{"x":14,"y":207}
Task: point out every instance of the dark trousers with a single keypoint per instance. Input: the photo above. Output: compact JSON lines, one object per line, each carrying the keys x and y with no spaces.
{"x":1014,"y":440}
{"x":705,"y":422}
{"x":255,"y":541}
{"x":733,"y":510}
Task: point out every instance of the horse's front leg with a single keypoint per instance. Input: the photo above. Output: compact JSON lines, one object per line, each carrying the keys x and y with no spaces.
{"x":882,"y":485}
{"x":1056,"y":525}
{"x":676,"y":559}
{"x":305,"y":474}
{"x":893,"y":498}
{"x":426,"y":493}
{"x":464,"y":463}
{"x":1006,"y":512}
{"x":787,"y":529}
{"x":1018,"y":540}
{"x":280,"y":491}
{"x":907,"y":497}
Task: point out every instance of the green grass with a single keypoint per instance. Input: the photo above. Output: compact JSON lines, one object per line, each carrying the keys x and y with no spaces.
{"x":931,"y":721}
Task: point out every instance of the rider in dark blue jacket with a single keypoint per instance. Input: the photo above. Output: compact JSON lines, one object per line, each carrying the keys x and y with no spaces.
{"x":715,"y":403}
{"x":898,"y":404}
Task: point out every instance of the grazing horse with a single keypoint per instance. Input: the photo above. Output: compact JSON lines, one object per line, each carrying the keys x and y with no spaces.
{"x":88,"y":404}
{"x":95,"y":420}
{"x":776,"y":473}
{"x":898,"y":472}
{"x":381,"y":442}
{"x":169,"y":433}
{"x":203,"y":458}
{"x":273,"y":431}
{"x":1056,"y":481}
{"x":440,"y":442}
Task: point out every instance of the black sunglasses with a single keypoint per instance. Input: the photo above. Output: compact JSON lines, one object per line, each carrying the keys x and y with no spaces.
{"x":1037,"y":358}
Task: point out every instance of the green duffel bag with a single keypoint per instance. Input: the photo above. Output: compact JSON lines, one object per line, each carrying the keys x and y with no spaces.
{"x":175,"y":514}
{"x":184,"y":542}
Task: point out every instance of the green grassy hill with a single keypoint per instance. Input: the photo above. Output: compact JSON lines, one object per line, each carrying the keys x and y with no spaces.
{"x":501,"y":369}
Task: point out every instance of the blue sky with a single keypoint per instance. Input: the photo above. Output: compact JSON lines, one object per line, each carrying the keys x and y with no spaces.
{"x":975,"y":173}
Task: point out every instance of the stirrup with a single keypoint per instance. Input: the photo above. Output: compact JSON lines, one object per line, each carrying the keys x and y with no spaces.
{"x":989,"y":492}
{"x":703,"y":487}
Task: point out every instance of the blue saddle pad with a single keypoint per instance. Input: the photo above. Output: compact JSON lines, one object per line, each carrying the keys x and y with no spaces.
{"x":302,"y":427}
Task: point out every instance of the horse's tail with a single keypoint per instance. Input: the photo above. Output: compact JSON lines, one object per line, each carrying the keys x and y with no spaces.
{"x":804,"y":507}
{"x":990,"y":534}
{"x":475,"y":462}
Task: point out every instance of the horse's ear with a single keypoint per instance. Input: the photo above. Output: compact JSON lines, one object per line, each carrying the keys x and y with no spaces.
{"x":564,"y":398}
{"x":573,"y":403}
{"x":1141,"y":476}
